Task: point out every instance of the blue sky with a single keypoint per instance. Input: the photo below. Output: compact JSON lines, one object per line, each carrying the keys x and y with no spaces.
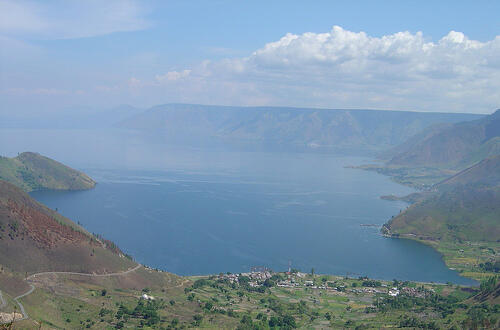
{"x":409,"y":55}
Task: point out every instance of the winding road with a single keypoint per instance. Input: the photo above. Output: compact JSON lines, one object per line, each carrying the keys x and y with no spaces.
{"x":32,"y":287}
{"x":2,"y":301}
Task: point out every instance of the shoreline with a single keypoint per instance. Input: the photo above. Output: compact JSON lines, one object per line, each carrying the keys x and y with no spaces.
{"x":412,"y":198}
{"x":373,"y":225}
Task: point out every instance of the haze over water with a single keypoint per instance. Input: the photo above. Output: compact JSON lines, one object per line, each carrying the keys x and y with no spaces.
{"x":210,"y":209}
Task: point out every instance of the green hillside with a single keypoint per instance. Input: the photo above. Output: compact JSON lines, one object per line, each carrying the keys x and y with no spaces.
{"x":464,"y":213}
{"x":465,"y":206}
{"x":31,"y":171}
{"x":457,"y":146}
{"x":460,"y":217}
{"x":485,"y":173}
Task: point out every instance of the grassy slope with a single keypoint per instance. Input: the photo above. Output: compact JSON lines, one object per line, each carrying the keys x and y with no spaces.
{"x":461,"y":218}
{"x":457,"y":146}
{"x":459,"y":167}
{"x":71,"y":302}
{"x":463,"y":214}
{"x":34,"y":238}
{"x":462,"y":225}
{"x":31,"y":171}
{"x":485,"y":173}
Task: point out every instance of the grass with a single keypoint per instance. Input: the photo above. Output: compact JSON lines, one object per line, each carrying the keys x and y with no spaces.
{"x":73,"y":302}
{"x":31,"y":171}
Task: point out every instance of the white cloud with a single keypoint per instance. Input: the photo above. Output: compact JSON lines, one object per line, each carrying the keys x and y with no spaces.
{"x":173,"y":75}
{"x":336,"y":69}
{"x":69,"y":19}
{"x":341,"y":68}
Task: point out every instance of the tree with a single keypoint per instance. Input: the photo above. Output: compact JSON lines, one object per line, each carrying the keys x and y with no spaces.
{"x":246,"y":319}
{"x":208,"y":306}
{"x":289,"y":321}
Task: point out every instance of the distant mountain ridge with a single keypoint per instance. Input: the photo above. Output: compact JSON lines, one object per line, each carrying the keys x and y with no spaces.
{"x":459,"y":145}
{"x":31,"y":171}
{"x":365,"y":130}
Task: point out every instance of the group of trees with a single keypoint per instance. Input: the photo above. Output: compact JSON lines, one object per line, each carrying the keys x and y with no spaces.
{"x":482,"y":316}
{"x":489,"y":266}
{"x":146,"y":310}
{"x":414,"y":323}
{"x":443,"y":305}
{"x":371,"y":283}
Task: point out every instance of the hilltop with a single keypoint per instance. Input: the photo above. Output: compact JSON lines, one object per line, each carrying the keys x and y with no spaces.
{"x":34,"y":238}
{"x":31,"y":171}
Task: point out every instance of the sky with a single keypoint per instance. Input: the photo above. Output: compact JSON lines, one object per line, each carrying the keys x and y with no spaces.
{"x":60,"y":56}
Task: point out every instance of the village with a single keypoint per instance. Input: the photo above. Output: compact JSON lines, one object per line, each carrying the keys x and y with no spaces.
{"x":296,"y":279}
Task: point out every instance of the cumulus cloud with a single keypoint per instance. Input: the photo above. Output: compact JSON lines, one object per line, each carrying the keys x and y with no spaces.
{"x":70,"y":19}
{"x":342,"y":68}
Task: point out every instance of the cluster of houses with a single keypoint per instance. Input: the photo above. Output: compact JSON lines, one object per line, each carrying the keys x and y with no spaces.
{"x":288,"y":283}
{"x":295,"y":280}
{"x":369,"y":290}
{"x":231,"y":278}
{"x":256,"y":278}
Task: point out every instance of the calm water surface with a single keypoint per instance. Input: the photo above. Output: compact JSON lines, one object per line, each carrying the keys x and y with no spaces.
{"x":214,"y":208}
{"x":252,"y":208}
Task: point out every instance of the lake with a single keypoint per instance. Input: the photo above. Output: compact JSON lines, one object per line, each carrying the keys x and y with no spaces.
{"x":206,"y":210}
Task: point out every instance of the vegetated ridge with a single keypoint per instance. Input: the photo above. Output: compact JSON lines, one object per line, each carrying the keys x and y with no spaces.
{"x":31,"y":171}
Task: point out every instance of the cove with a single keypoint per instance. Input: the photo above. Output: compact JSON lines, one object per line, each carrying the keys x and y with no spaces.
{"x":235,"y":210}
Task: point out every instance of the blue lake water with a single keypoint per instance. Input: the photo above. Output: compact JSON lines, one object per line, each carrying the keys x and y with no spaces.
{"x":215,"y":208}
{"x":217,"y":211}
